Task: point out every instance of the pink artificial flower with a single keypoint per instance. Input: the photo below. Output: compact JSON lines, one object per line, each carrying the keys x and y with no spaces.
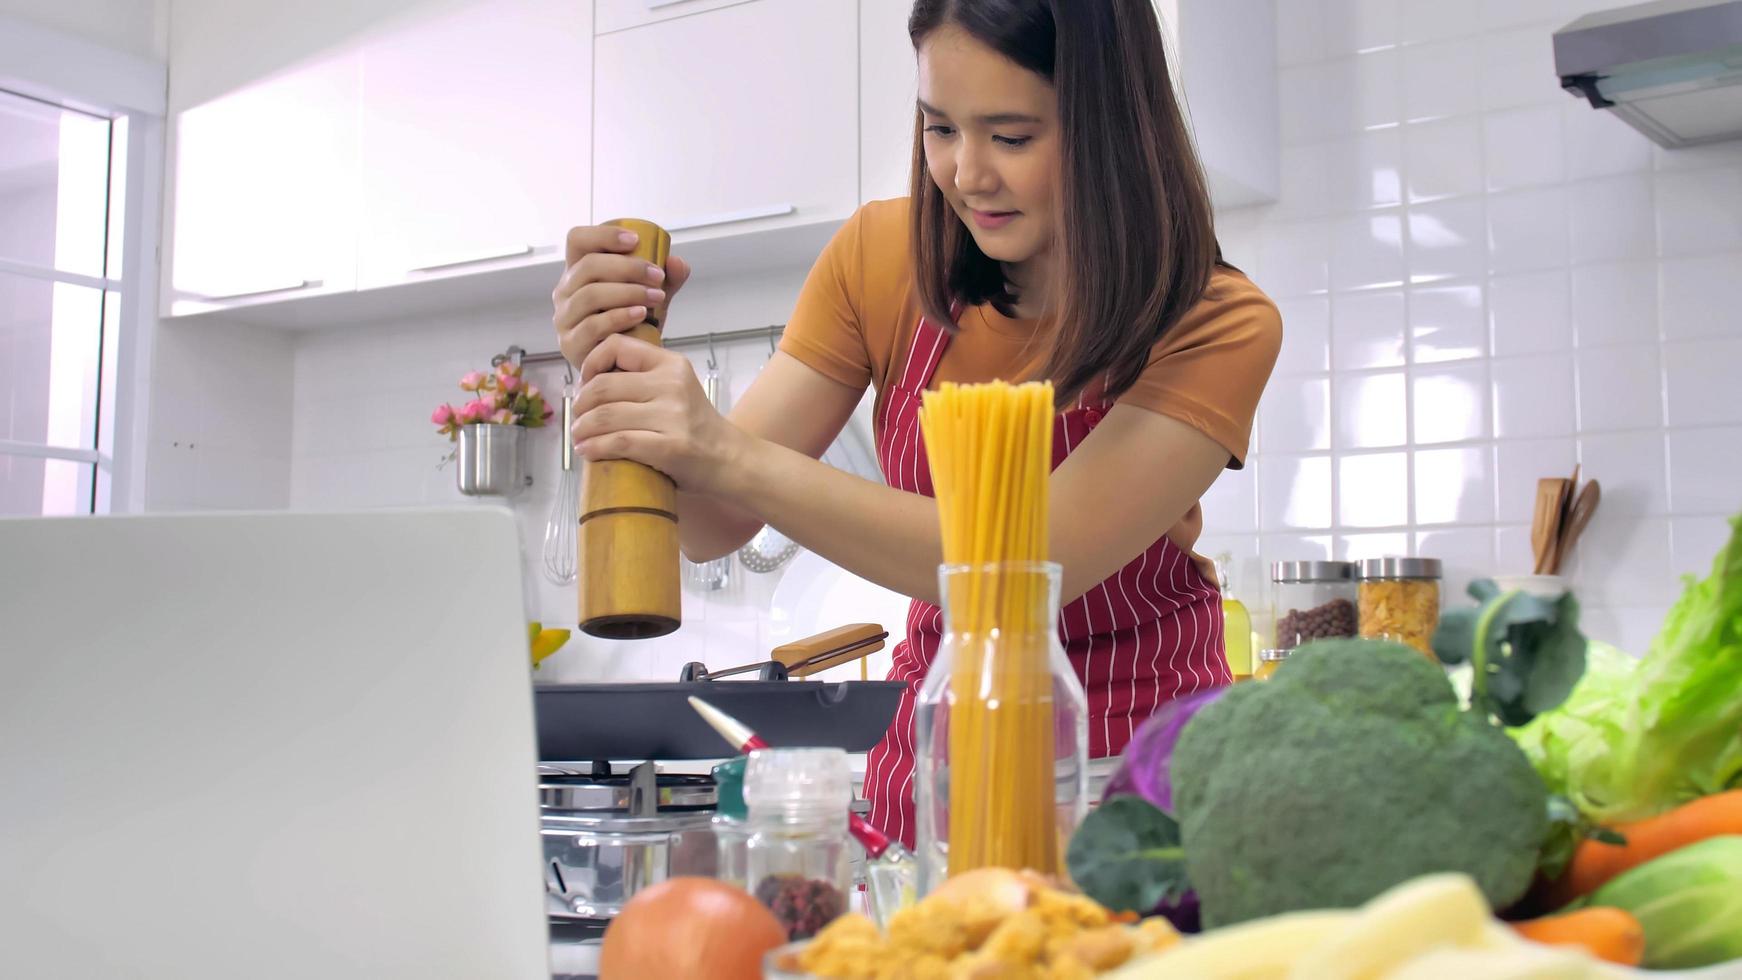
{"x":443,"y":415}
{"x":510,"y":383}
{"x":473,"y":381}
{"x":548,"y":412}
{"x":533,"y":392}
{"x":475,"y":411}
{"x":504,"y":417}
{"x":508,"y":369}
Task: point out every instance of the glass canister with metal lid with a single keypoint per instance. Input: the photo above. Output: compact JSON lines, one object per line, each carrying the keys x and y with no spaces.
{"x":1312,"y":600}
{"x":1399,"y":599}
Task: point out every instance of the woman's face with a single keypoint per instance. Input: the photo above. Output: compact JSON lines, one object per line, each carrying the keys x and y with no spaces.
{"x":991,"y":143}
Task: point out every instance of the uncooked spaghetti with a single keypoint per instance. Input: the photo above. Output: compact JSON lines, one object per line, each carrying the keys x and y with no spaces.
{"x":990,"y":449}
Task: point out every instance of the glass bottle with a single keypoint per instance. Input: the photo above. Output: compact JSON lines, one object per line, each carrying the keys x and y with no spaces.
{"x":1001,"y":721}
{"x":799,"y":862}
{"x":731,"y":823}
{"x":1236,"y":624}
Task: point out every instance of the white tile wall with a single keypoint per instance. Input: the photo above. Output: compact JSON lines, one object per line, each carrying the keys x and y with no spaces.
{"x":1484,"y":282}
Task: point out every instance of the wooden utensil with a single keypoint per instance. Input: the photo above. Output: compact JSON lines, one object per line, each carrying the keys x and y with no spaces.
{"x":1578,"y":515}
{"x":838,"y":646}
{"x":627,"y":541}
{"x":1545,"y":523}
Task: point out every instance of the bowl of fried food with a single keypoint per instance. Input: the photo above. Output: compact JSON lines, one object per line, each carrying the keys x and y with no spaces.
{"x":986,"y":923}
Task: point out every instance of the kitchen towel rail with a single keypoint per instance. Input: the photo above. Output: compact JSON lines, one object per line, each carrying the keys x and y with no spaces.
{"x":770,"y":333}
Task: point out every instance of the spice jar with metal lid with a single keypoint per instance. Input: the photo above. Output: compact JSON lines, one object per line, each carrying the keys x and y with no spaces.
{"x":1399,"y":599}
{"x":800,"y":862}
{"x":1312,"y":600}
{"x":1268,"y":661}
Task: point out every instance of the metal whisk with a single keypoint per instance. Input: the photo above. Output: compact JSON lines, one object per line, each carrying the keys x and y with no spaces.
{"x":565,"y":511}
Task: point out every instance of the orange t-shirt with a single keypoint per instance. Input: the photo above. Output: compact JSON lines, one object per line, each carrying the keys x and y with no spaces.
{"x":859,"y":310}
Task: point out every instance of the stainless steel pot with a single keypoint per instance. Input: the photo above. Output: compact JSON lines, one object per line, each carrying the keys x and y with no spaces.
{"x":605,"y":839}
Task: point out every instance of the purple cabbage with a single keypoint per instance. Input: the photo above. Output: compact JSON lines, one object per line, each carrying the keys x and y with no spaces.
{"x":1146,"y":765}
{"x":1146,"y":771}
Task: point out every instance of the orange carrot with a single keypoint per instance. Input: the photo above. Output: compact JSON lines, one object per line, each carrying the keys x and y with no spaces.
{"x":1595,"y":862}
{"x":1606,"y":933}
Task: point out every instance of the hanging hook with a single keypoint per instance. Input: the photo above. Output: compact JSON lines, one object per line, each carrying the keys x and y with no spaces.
{"x":712,"y":363}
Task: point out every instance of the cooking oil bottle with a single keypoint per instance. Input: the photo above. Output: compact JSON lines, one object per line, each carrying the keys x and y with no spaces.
{"x":1236,"y":624}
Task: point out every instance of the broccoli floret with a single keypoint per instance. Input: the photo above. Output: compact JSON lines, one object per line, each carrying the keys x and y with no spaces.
{"x":1351,"y":770}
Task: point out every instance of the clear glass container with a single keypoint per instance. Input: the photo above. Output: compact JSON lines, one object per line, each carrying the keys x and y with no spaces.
{"x":1002,"y":728}
{"x":731,"y":823}
{"x":1268,"y":661}
{"x":1312,"y":600}
{"x":799,"y":856}
{"x":1400,"y":600}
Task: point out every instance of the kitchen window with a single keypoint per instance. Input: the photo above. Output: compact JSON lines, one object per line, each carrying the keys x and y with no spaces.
{"x":62,"y":180}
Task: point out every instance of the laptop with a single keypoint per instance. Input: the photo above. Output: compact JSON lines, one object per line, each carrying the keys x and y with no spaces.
{"x":267,"y":745}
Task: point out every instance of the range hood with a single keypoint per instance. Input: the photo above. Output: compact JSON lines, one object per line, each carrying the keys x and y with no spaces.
{"x":1671,"y":68}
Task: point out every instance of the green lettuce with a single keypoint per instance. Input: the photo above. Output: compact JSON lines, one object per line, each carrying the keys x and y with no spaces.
{"x":1636,"y":739}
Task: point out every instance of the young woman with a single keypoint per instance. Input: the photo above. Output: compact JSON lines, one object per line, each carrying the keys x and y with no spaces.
{"x":1059,"y":227}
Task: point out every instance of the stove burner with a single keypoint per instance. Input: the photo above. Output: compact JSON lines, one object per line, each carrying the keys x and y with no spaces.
{"x":641,"y":792}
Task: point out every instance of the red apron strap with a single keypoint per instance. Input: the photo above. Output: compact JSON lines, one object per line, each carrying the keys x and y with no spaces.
{"x":926,"y":352}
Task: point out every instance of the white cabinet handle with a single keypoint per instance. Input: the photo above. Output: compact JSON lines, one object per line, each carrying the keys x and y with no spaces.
{"x":252,"y":291}
{"x":457,"y":261}
{"x":732,"y":217}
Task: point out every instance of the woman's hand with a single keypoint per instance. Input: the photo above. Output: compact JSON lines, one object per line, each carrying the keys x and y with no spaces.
{"x":642,"y":402}
{"x":604,"y":292}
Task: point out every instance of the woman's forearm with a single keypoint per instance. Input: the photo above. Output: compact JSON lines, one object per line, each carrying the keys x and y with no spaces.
{"x":878,"y":533}
{"x":709,"y":528}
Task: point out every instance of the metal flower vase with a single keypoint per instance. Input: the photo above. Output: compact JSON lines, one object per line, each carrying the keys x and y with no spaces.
{"x":490,"y":460}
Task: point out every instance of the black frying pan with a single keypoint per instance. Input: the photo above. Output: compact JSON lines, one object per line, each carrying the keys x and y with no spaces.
{"x":584,"y":722}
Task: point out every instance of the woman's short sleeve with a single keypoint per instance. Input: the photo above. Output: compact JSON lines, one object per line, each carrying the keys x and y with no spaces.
{"x":1211,"y":368}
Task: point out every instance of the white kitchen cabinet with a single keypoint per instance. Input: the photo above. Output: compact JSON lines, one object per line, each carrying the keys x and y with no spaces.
{"x":476,"y":138}
{"x":617,"y":15}
{"x":1224,"y":63}
{"x":263,"y":198}
{"x":887,"y":80}
{"x":738,"y":119}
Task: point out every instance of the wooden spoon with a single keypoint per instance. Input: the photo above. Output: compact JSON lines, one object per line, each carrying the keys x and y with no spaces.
{"x":1578,"y":516}
{"x":1546,"y":521}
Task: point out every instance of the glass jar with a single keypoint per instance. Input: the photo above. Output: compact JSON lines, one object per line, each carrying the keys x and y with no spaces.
{"x":798,"y":855}
{"x":1399,"y":599}
{"x":1002,"y":775}
{"x":1268,"y":661}
{"x":1312,"y":600}
{"x":731,"y":823}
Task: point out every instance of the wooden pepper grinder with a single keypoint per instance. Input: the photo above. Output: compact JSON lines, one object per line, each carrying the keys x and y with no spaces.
{"x":628,"y":535}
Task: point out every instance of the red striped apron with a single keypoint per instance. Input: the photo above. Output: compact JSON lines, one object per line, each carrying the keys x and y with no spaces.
{"x":1150,"y":633}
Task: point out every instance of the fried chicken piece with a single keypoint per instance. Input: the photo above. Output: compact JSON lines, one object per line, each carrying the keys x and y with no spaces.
{"x":940,"y":931}
{"x":1098,"y":949}
{"x":1155,"y":934}
{"x":848,"y":948}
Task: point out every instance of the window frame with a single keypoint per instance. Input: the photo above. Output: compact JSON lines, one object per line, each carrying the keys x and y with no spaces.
{"x":67,"y":71}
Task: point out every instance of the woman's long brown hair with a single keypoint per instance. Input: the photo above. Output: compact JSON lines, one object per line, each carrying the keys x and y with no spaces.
{"x":1136,"y":240}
